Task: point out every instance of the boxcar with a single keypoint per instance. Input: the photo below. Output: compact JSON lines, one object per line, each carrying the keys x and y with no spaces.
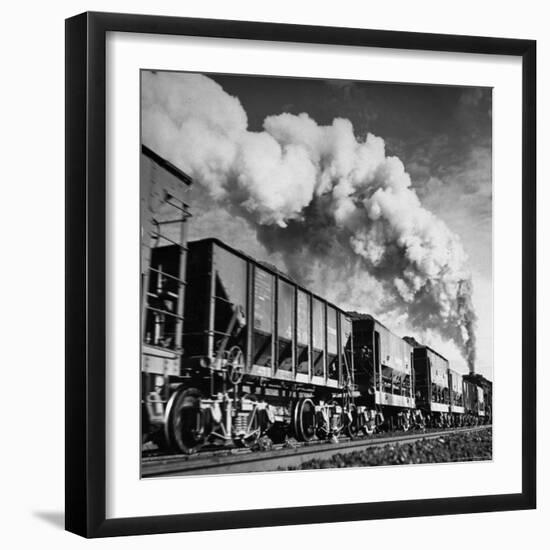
{"x":432,"y":385}
{"x":383,"y":373}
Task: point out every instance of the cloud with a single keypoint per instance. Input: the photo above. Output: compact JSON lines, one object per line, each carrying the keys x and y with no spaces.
{"x":340,"y":213}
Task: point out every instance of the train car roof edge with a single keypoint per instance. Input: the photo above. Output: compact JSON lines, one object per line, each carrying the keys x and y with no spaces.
{"x":167,"y":165}
{"x":433,"y":351}
{"x":354,"y":315}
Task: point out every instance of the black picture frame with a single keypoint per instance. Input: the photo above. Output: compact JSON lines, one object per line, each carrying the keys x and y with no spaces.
{"x":86,"y":283}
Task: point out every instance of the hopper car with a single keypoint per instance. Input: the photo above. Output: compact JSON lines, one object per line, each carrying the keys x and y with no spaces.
{"x":383,"y":376}
{"x":486,"y":399}
{"x":263,"y":354}
{"x":474,"y":402}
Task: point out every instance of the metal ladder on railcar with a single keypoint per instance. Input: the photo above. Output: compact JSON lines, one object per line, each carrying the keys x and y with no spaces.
{"x":158,"y":302}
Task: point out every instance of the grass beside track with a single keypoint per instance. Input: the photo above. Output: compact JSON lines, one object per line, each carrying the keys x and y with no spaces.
{"x":458,"y":447}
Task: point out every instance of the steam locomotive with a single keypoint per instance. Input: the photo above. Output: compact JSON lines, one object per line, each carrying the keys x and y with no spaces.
{"x":235,"y":351}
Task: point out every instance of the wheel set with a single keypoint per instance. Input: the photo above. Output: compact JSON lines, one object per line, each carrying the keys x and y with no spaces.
{"x":193,"y":420}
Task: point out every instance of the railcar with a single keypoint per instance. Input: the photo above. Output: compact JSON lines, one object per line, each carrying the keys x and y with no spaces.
{"x":163,"y":212}
{"x":383,"y":376}
{"x":485,"y":400}
{"x":262,"y":355}
{"x":432,"y":385}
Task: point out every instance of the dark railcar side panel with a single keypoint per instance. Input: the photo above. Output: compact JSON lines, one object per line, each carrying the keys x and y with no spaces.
{"x":432,"y":380}
{"x":286,"y":322}
{"x":303,"y":333}
{"x":383,"y":365}
{"x":318,"y":316}
{"x":423,"y":381}
{"x":333,"y":363}
{"x":284,"y":331}
{"x":229,"y":322}
{"x":456,"y":391}
{"x":162,"y":295}
{"x":364,"y":360}
{"x":197,"y":299}
{"x":263,"y":323}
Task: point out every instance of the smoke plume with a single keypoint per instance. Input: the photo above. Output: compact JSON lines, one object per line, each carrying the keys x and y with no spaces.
{"x":340,"y":213}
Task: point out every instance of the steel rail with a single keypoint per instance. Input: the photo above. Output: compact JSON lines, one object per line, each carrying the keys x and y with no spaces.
{"x":245,"y":461}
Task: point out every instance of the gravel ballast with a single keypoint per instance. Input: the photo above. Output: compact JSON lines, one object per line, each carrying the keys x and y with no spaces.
{"x":460,"y":447}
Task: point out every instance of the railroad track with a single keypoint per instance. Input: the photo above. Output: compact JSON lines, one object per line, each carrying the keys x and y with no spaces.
{"x":236,"y":461}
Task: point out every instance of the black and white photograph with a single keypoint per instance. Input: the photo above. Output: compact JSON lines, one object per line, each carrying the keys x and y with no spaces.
{"x":316,"y":273}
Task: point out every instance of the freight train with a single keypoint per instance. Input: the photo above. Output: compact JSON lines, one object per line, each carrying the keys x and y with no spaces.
{"x":235,"y":351}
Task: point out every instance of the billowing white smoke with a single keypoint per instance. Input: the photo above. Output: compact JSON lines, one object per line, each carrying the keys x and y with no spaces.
{"x":341,"y":213}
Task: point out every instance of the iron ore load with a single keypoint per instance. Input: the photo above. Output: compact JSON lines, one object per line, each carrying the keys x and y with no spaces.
{"x":234,"y":352}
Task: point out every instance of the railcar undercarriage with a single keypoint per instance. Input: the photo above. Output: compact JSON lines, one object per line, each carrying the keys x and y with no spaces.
{"x":220,"y":408}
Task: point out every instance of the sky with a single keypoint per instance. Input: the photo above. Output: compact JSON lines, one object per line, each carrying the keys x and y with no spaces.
{"x":375,"y":195}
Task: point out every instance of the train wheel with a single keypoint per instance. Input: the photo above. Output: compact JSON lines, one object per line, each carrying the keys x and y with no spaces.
{"x":304,"y":422}
{"x":187,"y":424}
